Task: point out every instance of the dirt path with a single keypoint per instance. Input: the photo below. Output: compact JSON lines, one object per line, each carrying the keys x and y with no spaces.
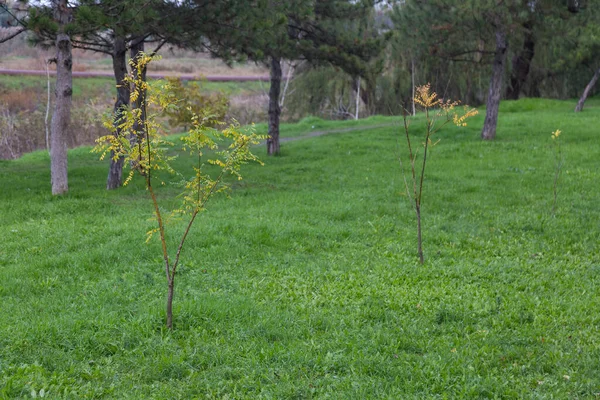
{"x":340,"y":130}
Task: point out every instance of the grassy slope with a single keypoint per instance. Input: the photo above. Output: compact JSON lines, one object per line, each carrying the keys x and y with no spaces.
{"x":305,"y":283}
{"x":311,"y":125}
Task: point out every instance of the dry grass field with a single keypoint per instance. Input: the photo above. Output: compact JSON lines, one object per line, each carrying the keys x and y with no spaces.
{"x":17,"y":54}
{"x":23,"y":99}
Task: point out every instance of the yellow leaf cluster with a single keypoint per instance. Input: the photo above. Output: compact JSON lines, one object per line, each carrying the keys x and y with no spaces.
{"x":425,"y":97}
{"x":429,"y":99}
{"x":461,"y":120}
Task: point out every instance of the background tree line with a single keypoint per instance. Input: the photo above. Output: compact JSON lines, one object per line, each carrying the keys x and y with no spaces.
{"x":348,"y":58}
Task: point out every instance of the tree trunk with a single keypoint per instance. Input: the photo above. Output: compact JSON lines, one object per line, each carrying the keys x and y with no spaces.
{"x":115,"y":173}
{"x":412,"y":82}
{"x":493,"y":100}
{"x":521,"y":63}
{"x":587,"y":91}
{"x":419,"y":236}
{"x":575,"y":5}
{"x":288,"y":78}
{"x":367,"y":94}
{"x":170,"y":303}
{"x":357,"y":108}
{"x":370,"y":87}
{"x":62,"y":110}
{"x":137,"y":48}
{"x":274,"y":109}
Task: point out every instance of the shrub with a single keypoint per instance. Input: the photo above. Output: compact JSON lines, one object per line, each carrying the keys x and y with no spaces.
{"x":193,"y":101}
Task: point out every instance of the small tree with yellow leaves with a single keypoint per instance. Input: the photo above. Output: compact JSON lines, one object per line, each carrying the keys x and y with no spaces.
{"x":145,"y":150}
{"x":435,"y":108}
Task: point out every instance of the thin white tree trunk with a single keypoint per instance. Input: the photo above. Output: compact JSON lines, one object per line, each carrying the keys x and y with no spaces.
{"x":587,"y":91}
{"x":412,"y":77}
{"x":357,"y":98}
{"x":290,"y":73}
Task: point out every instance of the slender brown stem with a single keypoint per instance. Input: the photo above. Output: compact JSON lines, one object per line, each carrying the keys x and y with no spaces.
{"x":180,"y":247}
{"x":170,"y":305}
{"x":169,"y":271}
{"x":427,"y":138}
{"x":171,"y":275}
{"x":161,"y":228}
{"x":147,"y":173}
{"x":163,"y":242}
{"x":411,"y":155}
{"x":418,"y":197}
{"x":199,"y":206}
{"x":147,"y":136}
{"x":555,"y":194}
{"x":199,"y":176}
{"x":416,"y":193}
{"x":400,"y":158}
{"x":419,"y":237}
{"x":139,"y":166}
{"x":556,"y":176}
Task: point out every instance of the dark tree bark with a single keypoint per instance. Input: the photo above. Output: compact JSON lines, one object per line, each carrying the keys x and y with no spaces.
{"x":274,"y":108}
{"x":587,"y":91}
{"x":115,"y":173}
{"x":370,"y":86}
{"x":521,"y":64}
{"x":62,"y":110}
{"x":493,"y":101}
{"x":574,"y":6}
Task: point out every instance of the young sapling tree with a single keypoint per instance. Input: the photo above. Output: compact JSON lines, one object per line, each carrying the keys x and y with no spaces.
{"x":558,"y":163}
{"x":434,"y":108}
{"x":145,"y":151}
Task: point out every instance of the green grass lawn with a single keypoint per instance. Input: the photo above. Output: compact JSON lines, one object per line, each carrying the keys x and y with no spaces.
{"x":310,"y":125}
{"x":306,"y":283}
{"x":87,"y":87}
{"x":82,"y":87}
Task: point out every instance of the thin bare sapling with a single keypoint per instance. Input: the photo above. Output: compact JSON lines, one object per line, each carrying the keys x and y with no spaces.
{"x":558,"y":164}
{"x":438,"y":113}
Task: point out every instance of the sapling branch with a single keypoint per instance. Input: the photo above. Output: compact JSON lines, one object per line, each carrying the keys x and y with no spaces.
{"x":161,"y":228}
{"x":426,"y":147}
